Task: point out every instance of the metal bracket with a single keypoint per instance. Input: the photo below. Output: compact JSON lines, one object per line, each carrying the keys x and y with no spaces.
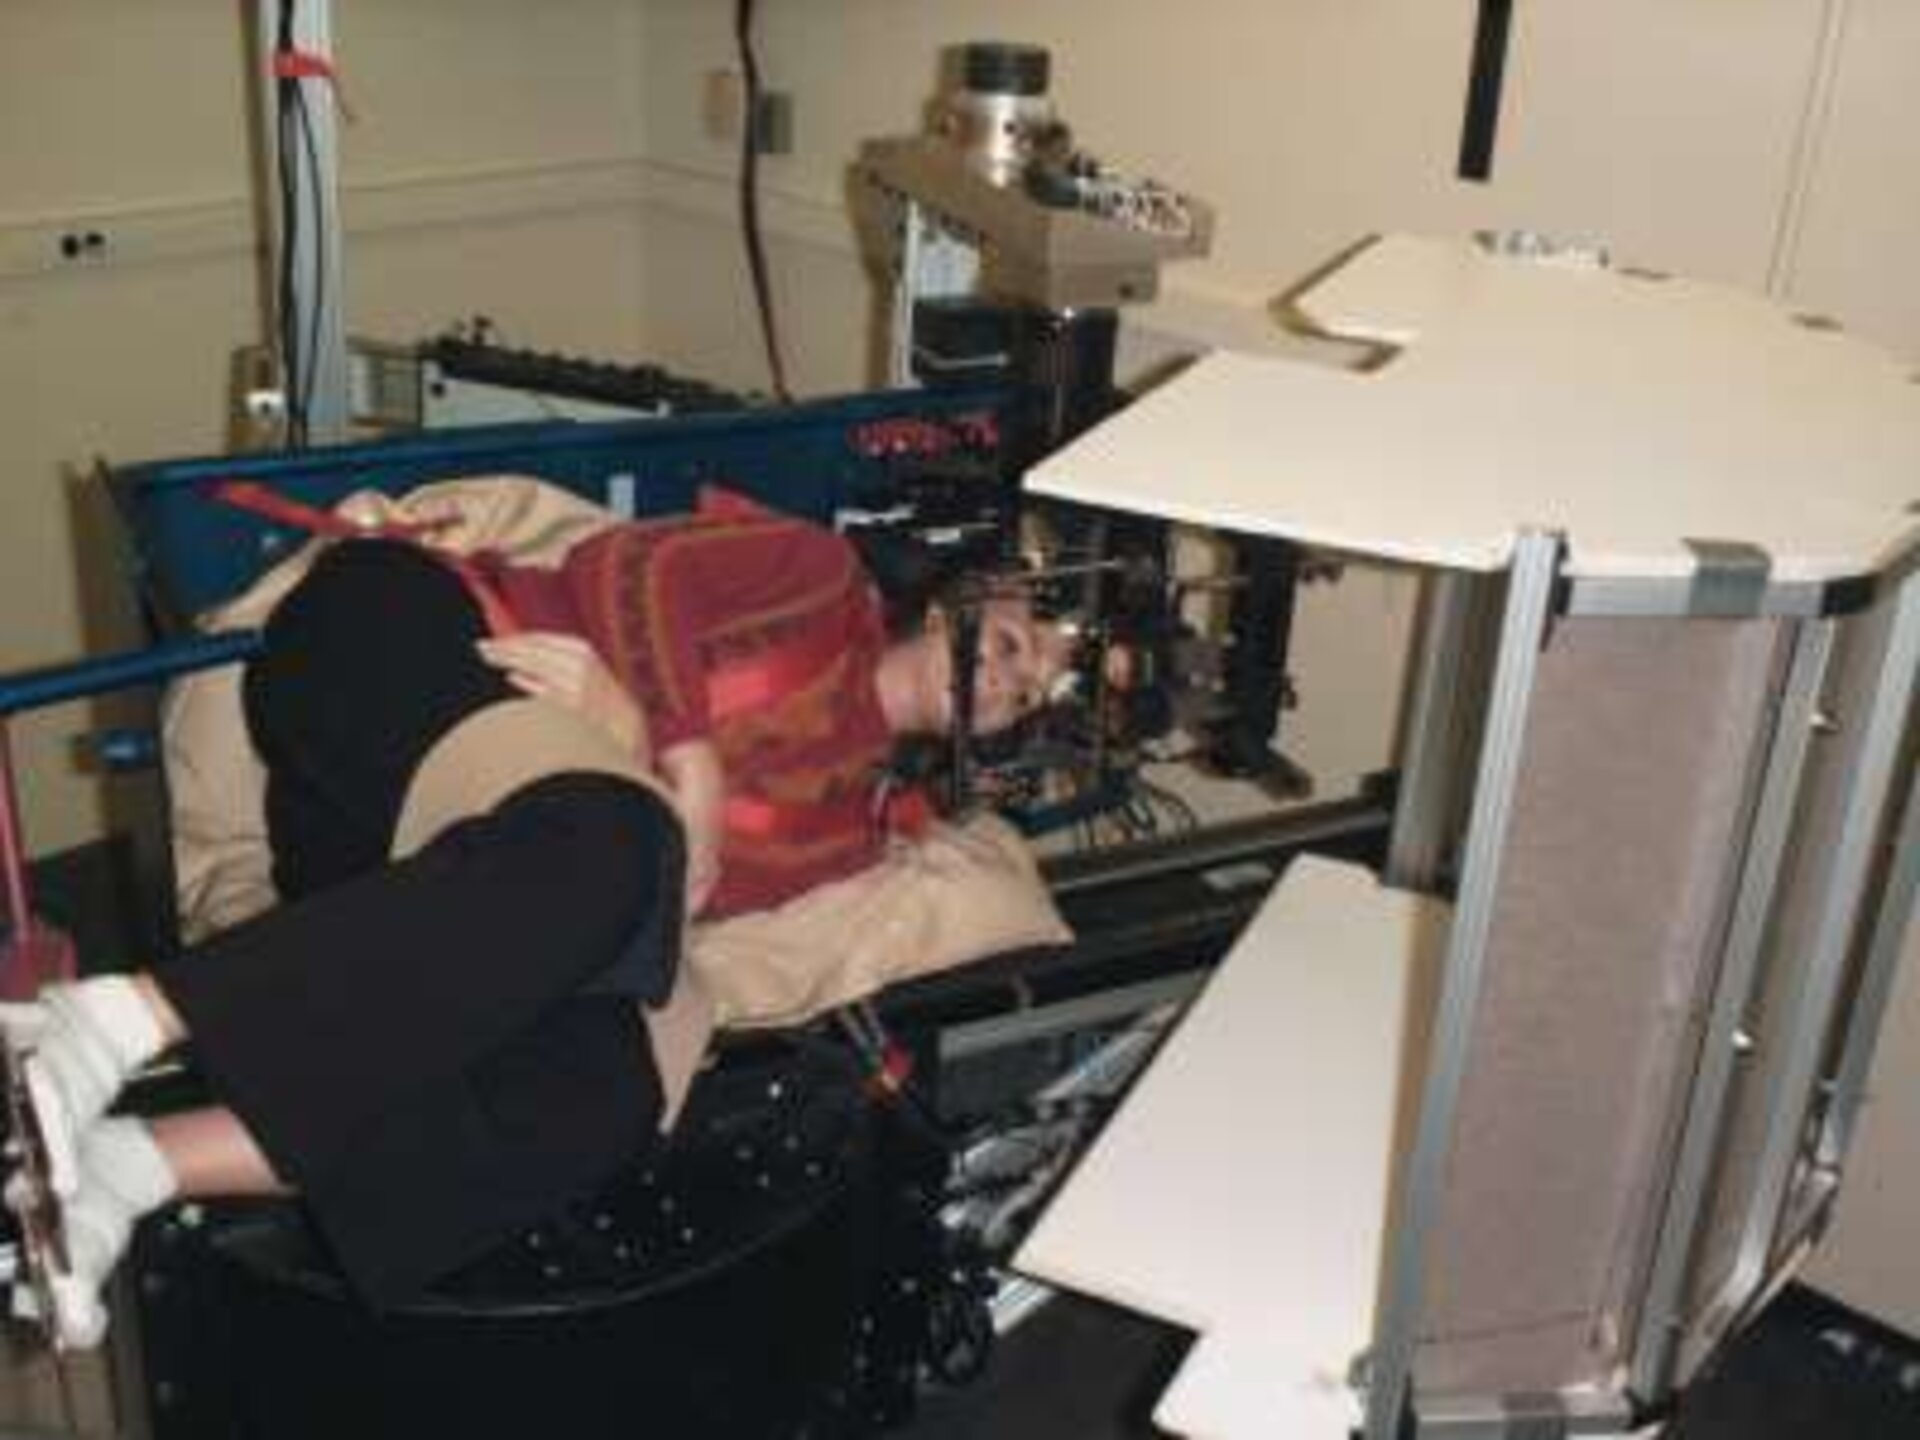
{"x":1549,"y":1415}
{"x":1729,"y":579}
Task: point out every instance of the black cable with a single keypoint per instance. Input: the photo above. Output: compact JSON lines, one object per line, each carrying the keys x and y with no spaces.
{"x":750,"y":198}
{"x":963,"y":641}
{"x":286,"y":91}
{"x":1183,"y":813}
{"x":316,"y":198}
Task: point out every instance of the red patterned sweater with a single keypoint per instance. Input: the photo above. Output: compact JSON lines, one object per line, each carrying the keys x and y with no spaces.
{"x":761,"y":633}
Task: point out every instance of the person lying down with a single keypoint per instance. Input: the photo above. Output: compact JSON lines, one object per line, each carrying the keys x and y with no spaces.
{"x":495,"y":795}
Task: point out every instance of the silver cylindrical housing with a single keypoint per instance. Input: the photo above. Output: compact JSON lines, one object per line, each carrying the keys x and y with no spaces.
{"x":1001,"y":109}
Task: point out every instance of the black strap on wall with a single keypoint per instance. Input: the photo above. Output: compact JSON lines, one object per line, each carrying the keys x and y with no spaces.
{"x":1484,"y":84}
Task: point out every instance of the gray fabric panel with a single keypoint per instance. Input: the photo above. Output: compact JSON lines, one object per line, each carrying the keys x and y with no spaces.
{"x":1635,"y":787}
{"x":1788,"y":946}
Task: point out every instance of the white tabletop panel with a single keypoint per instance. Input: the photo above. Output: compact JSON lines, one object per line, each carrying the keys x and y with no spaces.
{"x":1242,"y":1189}
{"x":1633,"y":413}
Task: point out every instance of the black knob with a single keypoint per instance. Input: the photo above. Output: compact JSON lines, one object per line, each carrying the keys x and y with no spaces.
{"x":993,"y":67}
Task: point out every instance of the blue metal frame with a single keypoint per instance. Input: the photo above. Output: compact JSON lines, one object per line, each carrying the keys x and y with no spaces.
{"x":192,"y":554}
{"x":57,"y":684}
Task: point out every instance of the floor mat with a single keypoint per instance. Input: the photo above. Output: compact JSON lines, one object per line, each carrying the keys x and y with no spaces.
{"x":1808,"y":1369}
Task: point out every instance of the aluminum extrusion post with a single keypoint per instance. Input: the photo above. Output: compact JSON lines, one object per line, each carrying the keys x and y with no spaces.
{"x":1650,"y":1373}
{"x":308,"y":316}
{"x":1889,"y":726}
{"x":1534,"y":569}
{"x":1438,"y":732}
{"x":935,"y":264}
{"x":905,"y":286}
{"x":1876,"y":985}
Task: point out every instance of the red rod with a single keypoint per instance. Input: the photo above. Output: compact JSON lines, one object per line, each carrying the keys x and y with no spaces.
{"x":13,"y":859}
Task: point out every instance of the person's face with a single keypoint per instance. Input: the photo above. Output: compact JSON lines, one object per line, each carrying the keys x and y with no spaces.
{"x":1020,"y":660}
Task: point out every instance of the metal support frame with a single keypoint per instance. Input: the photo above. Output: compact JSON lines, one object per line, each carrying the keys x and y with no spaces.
{"x":1876,"y":985}
{"x":1533,"y":574}
{"x":1849,"y":875}
{"x":1441,"y":723}
{"x":1550,"y":1416}
{"x":306,"y":236}
{"x":1650,"y":1373}
{"x":935,"y":264}
{"x":1649,"y":598}
{"x":1043,"y":1022}
{"x":1730,"y":578}
{"x":1256,"y":682}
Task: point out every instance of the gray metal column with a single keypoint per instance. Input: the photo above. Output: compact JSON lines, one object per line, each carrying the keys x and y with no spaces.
{"x":1441,"y":719}
{"x":1888,"y":724}
{"x":302,"y":154}
{"x":1530,"y":596}
{"x":935,"y":264}
{"x":1651,"y":1365}
{"x":1876,"y":985}
{"x":905,"y":287}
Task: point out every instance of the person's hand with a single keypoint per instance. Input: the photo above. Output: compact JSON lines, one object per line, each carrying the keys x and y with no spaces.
{"x":692,"y":769}
{"x":566,"y":670}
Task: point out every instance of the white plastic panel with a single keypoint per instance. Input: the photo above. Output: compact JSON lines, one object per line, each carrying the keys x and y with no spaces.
{"x":1632,"y":413}
{"x":1243,"y":1188}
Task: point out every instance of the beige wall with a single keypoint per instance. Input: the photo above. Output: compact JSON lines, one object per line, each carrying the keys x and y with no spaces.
{"x":1853,"y":256}
{"x":492,"y":169}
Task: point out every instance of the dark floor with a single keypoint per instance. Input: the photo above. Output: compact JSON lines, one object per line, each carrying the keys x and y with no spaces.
{"x":1807,"y":1370}
{"x":1074,"y":1371}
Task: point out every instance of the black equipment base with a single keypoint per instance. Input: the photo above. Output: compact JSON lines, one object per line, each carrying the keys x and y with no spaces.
{"x":767,"y":1275}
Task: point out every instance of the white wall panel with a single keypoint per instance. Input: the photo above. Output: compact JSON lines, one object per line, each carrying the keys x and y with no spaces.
{"x":1665,"y":127}
{"x":1856,"y":253}
{"x":491,"y":169}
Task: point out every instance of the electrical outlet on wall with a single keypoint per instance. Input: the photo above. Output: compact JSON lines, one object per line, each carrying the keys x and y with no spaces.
{"x":720,"y":101}
{"x":86,"y":246}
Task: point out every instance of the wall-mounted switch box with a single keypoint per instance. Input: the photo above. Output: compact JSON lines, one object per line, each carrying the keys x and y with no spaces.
{"x":720,"y":101}
{"x":773,"y":123}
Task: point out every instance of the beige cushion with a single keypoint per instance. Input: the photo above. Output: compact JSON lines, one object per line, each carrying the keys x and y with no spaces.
{"x":498,"y":750}
{"x":962,"y":893}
